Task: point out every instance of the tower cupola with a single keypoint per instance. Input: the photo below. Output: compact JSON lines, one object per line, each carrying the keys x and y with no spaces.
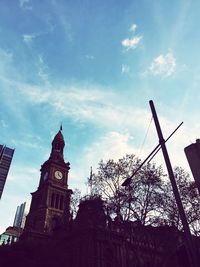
{"x":58,"y":144}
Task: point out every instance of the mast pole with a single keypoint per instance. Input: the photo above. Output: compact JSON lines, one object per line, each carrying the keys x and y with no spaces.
{"x":189,"y":242}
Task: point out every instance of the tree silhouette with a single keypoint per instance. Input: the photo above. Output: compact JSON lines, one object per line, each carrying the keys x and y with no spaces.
{"x":138,"y":201}
{"x":75,"y":199}
{"x":149,"y":198}
{"x":190,"y":199}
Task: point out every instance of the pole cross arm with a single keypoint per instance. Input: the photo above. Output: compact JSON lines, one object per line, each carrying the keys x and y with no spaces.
{"x":152,"y":155}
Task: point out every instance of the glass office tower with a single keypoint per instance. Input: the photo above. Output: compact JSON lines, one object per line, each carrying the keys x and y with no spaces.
{"x":6,"y":155}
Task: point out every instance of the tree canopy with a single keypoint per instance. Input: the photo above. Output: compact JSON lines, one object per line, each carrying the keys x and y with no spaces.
{"x":149,"y":198}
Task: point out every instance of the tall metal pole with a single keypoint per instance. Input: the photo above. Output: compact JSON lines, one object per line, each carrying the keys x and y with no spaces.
{"x":189,"y":242}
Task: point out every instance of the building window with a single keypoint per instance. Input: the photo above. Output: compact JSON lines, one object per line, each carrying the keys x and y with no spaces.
{"x":57,"y":201}
{"x":61,"y":202}
{"x":52,"y":200}
{"x":57,"y":147}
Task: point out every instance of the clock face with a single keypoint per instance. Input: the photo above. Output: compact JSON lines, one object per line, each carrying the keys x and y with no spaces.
{"x":58,"y":175}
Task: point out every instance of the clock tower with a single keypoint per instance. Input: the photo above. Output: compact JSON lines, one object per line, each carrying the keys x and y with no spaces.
{"x":50,"y":205}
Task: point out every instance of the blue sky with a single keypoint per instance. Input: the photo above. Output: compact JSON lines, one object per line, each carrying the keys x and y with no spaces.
{"x":94,"y":65}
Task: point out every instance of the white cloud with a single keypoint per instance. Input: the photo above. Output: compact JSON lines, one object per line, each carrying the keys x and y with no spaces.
{"x":113,"y":145}
{"x":50,"y":25}
{"x":133,"y":28}
{"x":87,"y":104}
{"x":3,"y":124}
{"x":101,"y":107}
{"x":24,"y":4}
{"x":42,"y":69}
{"x":125,"y":69}
{"x":164,"y":65}
{"x":28,"y":38}
{"x":24,"y":174}
{"x":66,"y":25}
{"x":131,"y":43}
{"x":5,"y":55}
{"x":90,"y":57}
{"x":25,"y":144}
{"x":6,"y":63}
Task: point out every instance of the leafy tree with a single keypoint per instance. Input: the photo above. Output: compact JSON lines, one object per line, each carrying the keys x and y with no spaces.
{"x":75,"y":199}
{"x":107,"y":182}
{"x":190,"y":200}
{"x":149,"y":198}
{"x":146,"y":194}
{"x":138,"y":201}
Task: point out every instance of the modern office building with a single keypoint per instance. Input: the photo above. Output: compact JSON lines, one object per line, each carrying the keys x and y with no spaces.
{"x":6,"y":155}
{"x":12,"y":233}
{"x":19,"y":220}
{"x":193,"y":156}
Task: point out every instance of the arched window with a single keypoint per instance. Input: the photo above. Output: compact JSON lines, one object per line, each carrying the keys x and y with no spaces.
{"x":57,"y":146}
{"x":52,"y":200}
{"x":57,"y":201}
{"x":61,"y":202}
{"x":55,"y":223}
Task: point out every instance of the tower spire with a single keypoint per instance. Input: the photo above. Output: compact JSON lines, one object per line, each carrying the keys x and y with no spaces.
{"x":58,"y":144}
{"x":61,"y":126}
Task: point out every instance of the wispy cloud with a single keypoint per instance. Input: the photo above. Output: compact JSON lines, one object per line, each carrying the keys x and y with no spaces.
{"x":42,"y":69}
{"x":125,"y":69}
{"x":5,"y":55}
{"x":23,"y":173}
{"x":51,"y":26}
{"x":64,"y":22}
{"x":163,"y":65}
{"x":6,"y":63}
{"x":25,"y":144}
{"x":3,"y":124}
{"x":133,"y":28}
{"x":99,"y":107}
{"x":24,"y":4}
{"x":111,"y":145}
{"x":131,"y":43}
{"x":90,"y":57}
{"x":87,"y":104}
{"x":28,"y":38}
